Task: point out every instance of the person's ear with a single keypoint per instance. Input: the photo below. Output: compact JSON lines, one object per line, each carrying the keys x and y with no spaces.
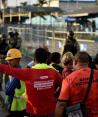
{"x":75,"y":62}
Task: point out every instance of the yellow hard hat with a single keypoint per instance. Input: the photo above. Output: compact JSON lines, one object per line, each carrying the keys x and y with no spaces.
{"x":13,"y":53}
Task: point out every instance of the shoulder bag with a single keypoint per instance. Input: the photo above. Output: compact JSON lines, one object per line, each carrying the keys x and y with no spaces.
{"x":78,"y":110}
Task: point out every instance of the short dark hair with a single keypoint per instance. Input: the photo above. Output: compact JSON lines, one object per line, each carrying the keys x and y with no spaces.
{"x":82,"y":57}
{"x":11,"y":34}
{"x":55,"y":57}
{"x":71,"y":33}
{"x":40,"y":55}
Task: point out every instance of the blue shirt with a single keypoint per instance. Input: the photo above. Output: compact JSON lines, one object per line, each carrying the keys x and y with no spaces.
{"x":10,"y":90}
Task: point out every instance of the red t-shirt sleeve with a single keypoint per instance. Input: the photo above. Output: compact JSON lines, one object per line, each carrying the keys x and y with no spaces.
{"x":64,"y":94}
{"x":19,"y":73}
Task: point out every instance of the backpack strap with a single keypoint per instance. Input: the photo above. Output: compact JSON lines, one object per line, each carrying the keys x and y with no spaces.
{"x":89,"y":86}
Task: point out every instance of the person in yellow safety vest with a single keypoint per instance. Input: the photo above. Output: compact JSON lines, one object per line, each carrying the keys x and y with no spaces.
{"x":15,"y":89}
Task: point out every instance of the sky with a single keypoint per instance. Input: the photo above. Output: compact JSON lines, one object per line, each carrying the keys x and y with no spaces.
{"x":17,"y":2}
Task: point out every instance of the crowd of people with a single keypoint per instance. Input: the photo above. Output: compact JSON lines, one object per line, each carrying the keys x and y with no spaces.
{"x":82,"y":25}
{"x":51,"y":82}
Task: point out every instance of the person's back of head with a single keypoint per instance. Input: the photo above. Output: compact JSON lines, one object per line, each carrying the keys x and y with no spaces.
{"x":71,"y":33}
{"x":82,"y":58}
{"x":55,"y":57}
{"x":67,"y":58}
{"x":40,"y":55}
{"x":11,"y":34}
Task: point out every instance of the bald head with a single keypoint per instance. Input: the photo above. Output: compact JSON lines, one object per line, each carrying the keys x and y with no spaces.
{"x":82,"y":58}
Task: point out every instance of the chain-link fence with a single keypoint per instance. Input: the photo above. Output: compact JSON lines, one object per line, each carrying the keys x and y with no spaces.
{"x":54,"y":37}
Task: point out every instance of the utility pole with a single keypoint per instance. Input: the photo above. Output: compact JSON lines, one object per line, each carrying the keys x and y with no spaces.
{"x":30,"y":2}
{"x":77,"y":4}
{"x":0,"y":4}
{"x":97,"y":2}
{"x":4,"y":5}
{"x":16,"y":3}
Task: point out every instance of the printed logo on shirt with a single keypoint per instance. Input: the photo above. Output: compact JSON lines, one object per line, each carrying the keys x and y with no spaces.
{"x":40,"y":77}
{"x":43,"y":77}
{"x":83,"y":81}
{"x":41,"y":85}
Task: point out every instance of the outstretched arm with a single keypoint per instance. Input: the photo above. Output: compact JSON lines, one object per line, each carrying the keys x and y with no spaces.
{"x":19,"y":73}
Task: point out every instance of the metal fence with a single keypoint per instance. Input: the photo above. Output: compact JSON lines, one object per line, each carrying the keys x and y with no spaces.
{"x":54,"y":37}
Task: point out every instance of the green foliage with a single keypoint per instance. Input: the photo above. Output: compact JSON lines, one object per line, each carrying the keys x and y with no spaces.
{"x":24,"y":3}
{"x":40,"y":3}
{"x":4,"y":3}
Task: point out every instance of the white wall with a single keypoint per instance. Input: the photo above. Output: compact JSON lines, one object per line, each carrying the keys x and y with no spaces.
{"x":52,"y":3}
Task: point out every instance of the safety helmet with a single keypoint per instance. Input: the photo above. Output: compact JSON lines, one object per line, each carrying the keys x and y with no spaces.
{"x":13,"y":54}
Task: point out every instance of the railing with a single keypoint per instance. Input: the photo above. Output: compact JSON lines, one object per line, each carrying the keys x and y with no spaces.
{"x":34,"y":36}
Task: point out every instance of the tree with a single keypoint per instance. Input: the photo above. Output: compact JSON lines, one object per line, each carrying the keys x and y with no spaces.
{"x":23,"y":3}
{"x":49,"y":1}
{"x":4,"y":4}
{"x":40,"y":3}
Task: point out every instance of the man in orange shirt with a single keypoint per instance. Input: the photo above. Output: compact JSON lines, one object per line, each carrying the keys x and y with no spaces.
{"x":75,"y":85}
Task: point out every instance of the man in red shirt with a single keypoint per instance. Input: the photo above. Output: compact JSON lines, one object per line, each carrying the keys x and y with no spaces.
{"x":41,"y":83}
{"x":75,"y":85}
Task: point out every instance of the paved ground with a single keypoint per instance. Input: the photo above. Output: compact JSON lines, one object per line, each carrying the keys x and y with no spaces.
{"x":3,"y":113}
